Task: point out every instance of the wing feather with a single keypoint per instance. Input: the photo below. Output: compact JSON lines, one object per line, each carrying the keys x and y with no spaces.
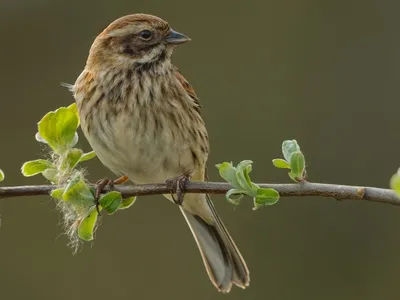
{"x":188,"y":88}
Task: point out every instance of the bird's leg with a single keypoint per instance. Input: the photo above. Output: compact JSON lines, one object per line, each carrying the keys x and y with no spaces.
{"x":105,"y":182}
{"x":177,"y":185}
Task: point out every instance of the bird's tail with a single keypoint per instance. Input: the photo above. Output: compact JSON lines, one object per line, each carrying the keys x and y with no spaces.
{"x":224,"y":263}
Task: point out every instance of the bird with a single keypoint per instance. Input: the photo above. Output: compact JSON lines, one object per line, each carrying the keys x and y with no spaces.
{"x":142,"y":118}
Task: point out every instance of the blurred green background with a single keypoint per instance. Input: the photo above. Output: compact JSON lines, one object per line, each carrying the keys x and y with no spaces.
{"x":324,"y":72}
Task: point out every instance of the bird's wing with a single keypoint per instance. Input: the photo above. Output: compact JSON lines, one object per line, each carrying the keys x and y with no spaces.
{"x":188,"y":88}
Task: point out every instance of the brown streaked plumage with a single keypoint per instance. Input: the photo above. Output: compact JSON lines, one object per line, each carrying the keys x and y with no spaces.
{"x":142,"y":118}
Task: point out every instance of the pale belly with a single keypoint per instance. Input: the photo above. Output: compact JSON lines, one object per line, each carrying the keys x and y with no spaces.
{"x":143,"y":154}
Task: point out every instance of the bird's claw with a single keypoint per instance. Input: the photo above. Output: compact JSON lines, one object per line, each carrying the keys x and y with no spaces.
{"x":177,"y":186}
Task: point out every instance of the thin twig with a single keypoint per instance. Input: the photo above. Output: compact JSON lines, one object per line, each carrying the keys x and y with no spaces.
{"x":339,"y":192}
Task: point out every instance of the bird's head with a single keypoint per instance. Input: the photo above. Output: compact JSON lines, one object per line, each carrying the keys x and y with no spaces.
{"x":137,"y":39}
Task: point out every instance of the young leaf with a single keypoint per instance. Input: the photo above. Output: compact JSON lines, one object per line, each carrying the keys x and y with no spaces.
{"x":39,"y":138}
{"x":265,"y":197}
{"x":297,"y":165}
{"x":127,"y":202}
{"x":57,"y":193}
{"x":78,"y":194}
{"x":111,"y":201}
{"x":71,"y":160}
{"x":74,"y":140}
{"x":234,"y":196}
{"x":50,"y":174}
{"x":242,"y":175}
{"x":86,"y":227}
{"x":34,"y":167}
{"x":395,"y":183}
{"x":280,"y":163}
{"x":293,"y":177}
{"x":87,"y":156}
{"x":245,"y":167}
{"x":1,"y":175}
{"x":74,"y":108}
{"x":58,"y":129}
{"x":254,"y":186}
{"x":228,"y":172}
{"x":289,"y":147}
{"x":239,"y":178}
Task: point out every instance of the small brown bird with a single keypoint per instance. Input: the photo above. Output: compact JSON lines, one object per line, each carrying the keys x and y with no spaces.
{"x":142,"y":118}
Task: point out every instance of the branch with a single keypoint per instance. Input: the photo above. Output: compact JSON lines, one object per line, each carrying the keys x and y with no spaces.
{"x":339,"y":192}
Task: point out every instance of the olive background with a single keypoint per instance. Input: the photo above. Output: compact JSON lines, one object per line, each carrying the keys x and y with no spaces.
{"x":323,"y":72}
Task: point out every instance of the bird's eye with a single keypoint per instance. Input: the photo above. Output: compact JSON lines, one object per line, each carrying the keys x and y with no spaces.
{"x":145,"y":34}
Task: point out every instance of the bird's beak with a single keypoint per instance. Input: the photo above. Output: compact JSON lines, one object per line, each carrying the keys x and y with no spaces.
{"x":176,"y":38}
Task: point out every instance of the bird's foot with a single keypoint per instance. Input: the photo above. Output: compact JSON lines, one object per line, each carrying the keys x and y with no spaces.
{"x":102,"y":184}
{"x":177,"y":186}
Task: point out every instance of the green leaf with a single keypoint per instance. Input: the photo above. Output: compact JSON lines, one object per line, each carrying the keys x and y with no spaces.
{"x":228,"y":172}
{"x":395,"y":183}
{"x":58,"y":129}
{"x":111,"y":201}
{"x":297,"y":165}
{"x":245,"y":168}
{"x":127,"y":202}
{"x":1,"y":175}
{"x":72,"y":181}
{"x":293,"y":177}
{"x":74,"y":109}
{"x":87,"y":156}
{"x":57,"y":193}
{"x":86,"y":227}
{"x":50,"y":174}
{"x":254,"y":186}
{"x":71,"y":160}
{"x":243,"y":178}
{"x":78,"y":194}
{"x":265,"y":197}
{"x":239,"y":178}
{"x":234,"y":196}
{"x":280,"y":163}
{"x":74,"y":140}
{"x":39,"y":138}
{"x":289,"y":147}
{"x":34,"y":167}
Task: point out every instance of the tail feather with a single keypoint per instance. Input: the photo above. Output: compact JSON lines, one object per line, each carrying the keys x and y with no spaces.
{"x":223,"y":261}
